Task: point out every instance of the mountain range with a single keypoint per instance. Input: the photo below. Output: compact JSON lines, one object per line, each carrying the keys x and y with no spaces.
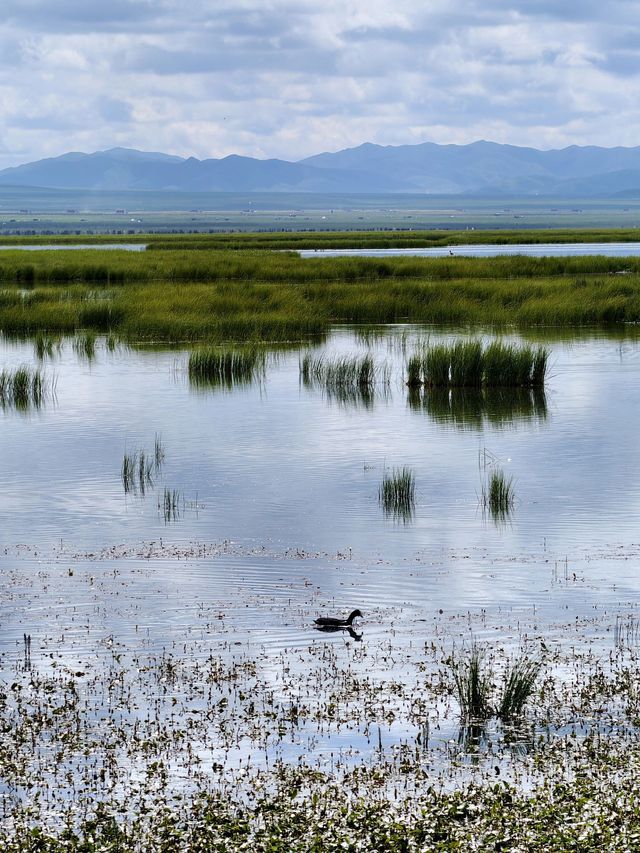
{"x":480,"y":168}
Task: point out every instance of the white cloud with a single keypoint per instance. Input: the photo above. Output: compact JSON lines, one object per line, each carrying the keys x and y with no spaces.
{"x":288,"y":79}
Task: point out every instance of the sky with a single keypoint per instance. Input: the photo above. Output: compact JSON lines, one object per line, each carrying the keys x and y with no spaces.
{"x":207,"y":78}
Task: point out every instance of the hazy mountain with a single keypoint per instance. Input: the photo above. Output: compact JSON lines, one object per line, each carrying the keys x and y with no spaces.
{"x":481,"y":168}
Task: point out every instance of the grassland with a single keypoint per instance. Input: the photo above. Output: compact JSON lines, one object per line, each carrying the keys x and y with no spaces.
{"x":182,"y":295}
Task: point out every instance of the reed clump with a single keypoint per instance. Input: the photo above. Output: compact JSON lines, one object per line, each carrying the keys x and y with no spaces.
{"x":24,"y":388}
{"x":519,"y":684}
{"x":472,"y":685}
{"x":397,"y":493}
{"x":84,"y":345}
{"x":466,"y":364}
{"x":226,"y":367}
{"x":140,"y":467}
{"x":170,"y":505}
{"x":346,"y":371}
{"x":498,"y":494}
{"x":474,"y":689}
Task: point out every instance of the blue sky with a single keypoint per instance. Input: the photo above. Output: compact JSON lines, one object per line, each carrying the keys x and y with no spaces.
{"x":289,"y":79}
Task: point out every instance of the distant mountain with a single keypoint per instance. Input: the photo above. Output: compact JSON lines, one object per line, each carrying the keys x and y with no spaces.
{"x":481,"y":168}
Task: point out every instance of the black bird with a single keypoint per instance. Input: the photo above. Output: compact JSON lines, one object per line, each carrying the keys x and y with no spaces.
{"x":331,"y":622}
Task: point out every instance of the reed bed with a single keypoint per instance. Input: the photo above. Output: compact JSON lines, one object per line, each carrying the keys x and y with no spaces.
{"x":217,"y":366}
{"x":257,"y":295}
{"x":466,"y":364}
{"x":24,"y":388}
{"x":397,"y":493}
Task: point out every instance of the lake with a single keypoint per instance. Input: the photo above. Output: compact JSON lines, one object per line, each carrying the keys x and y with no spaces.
{"x":274,"y":518}
{"x":536,"y":250}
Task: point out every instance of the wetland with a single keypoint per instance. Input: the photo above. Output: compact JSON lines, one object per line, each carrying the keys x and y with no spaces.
{"x":178,"y":510}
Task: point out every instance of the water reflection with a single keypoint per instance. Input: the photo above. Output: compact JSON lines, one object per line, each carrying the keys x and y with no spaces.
{"x":335,"y":629}
{"x":475,"y":409}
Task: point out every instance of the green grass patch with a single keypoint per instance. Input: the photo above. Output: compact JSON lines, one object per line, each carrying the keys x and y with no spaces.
{"x":397,"y":493}
{"x":219,"y":366}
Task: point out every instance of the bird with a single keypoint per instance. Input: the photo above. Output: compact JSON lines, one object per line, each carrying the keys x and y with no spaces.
{"x":332,"y":622}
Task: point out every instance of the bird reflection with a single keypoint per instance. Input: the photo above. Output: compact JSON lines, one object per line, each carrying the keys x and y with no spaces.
{"x":332,"y":629}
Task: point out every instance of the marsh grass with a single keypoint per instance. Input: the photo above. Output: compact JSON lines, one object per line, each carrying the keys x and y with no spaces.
{"x":397,"y":493}
{"x":46,"y":346}
{"x":224,"y":367}
{"x":519,"y":684}
{"x":257,"y":295}
{"x":466,"y":364}
{"x":84,"y":345}
{"x":345,"y":372}
{"x":139,"y":468}
{"x":472,"y":685}
{"x":498,"y":495}
{"x":170,"y":505}
{"x":24,"y":388}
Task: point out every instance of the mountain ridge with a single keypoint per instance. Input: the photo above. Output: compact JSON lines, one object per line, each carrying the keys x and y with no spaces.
{"x":481,"y":167}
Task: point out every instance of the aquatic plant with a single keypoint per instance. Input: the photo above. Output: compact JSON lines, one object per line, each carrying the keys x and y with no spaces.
{"x":472,"y":684}
{"x":226,"y":367}
{"x":397,"y":493}
{"x":46,"y":346}
{"x":465,"y":364}
{"x":84,"y":344}
{"x":24,"y":387}
{"x":519,"y":683}
{"x":137,"y":471}
{"x":498,"y":495}
{"x":170,"y":505}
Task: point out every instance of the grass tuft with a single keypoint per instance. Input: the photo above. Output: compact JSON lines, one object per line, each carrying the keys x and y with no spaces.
{"x":472,"y":685}
{"x":397,"y":493}
{"x":520,"y":680}
{"x":219,"y":366}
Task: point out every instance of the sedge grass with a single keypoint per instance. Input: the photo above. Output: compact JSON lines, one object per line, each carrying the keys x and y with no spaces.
{"x":254,"y":295}
{"x":472,"y":685}
{"x":24,"y":388}
{"x":466,"y":364}
{"x":226,"y":367}
{"x":170,"y":505}
{"x":397,"y":493}
{"x":519,"y":684}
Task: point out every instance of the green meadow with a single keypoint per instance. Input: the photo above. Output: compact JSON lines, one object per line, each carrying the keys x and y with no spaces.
{"x":264,"y":295}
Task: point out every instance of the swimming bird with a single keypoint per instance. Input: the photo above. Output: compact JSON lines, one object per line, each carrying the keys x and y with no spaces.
{"x":331,"y":622}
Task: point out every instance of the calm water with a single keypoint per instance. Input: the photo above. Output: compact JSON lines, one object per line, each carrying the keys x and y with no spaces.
{"x":278,"y":517}
{"x":538,"y":250}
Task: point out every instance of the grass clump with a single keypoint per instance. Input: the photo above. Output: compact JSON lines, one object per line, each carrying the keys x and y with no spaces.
{"x":466,"y":364}
{"x":520,"y":680}
{"x":84,"y":344}
{"x":498,"y":494}
{"x":472,"y":685}
{"x":139,"y":468}
{"x":226,"y":367}
{"x":397,"y":493}
{"x":24,"y":388}
{"x":170,"y":505}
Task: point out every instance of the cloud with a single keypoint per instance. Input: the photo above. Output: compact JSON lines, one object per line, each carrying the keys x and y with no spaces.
{"x":288,"y":79}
